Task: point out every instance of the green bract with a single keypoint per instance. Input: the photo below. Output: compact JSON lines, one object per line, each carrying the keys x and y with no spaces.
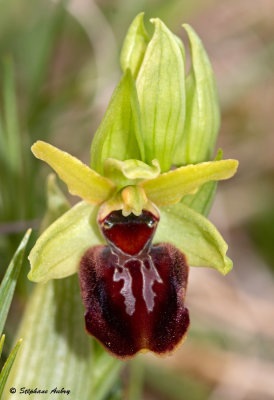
{"x":157,"y":118}
{"x":119,"y":134}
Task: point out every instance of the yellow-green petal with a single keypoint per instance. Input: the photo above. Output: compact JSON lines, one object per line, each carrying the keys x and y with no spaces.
{"x":170,"y":187}
{"x":80,"y":179}
{"x":59,"y":249}
{"x":195,"y":236}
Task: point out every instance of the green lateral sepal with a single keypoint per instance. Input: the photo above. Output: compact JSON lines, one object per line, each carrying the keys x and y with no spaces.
{"x":59,"y":249}
{"x":195,"y":236}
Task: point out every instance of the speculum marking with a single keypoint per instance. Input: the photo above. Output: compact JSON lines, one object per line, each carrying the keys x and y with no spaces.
{"x":149,"y":276}
{"x":126,"y":290}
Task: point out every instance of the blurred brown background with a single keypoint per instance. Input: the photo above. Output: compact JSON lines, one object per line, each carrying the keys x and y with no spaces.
{"x":66,"y":63}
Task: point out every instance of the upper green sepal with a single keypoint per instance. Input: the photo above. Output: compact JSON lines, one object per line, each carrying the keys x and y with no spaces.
{"x":161,"y":91}
{"x":195,"y":236}
{"x":134,"y":46}
{"x":170,"y":187}
{"x":119,"y":134}
{"x":202,"y":107}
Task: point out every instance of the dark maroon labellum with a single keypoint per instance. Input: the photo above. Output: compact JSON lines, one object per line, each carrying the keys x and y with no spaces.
{"x":134,"y":292}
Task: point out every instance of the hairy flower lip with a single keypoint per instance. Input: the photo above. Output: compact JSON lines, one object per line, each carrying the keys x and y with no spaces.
{"x":144,"y":312}
{"x":144,"y":351}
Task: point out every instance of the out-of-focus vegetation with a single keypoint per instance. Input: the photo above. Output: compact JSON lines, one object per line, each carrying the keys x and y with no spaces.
{"x":61,"y":59}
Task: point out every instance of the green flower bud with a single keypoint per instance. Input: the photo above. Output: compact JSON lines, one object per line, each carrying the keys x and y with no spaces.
{"x":161,"y":91}
{"x":202,"y":108}
{"x":134,"y":46}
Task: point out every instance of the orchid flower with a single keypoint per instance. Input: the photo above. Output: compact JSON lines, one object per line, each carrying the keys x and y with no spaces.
{"x":140,"y":224}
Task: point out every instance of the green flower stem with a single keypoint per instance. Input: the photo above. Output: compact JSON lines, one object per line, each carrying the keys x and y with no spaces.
{"x":106,"y":370}
{"x":136,"y":380}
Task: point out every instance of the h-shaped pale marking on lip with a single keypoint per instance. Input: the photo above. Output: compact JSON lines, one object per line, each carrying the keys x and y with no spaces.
{"x":149,"y":275}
